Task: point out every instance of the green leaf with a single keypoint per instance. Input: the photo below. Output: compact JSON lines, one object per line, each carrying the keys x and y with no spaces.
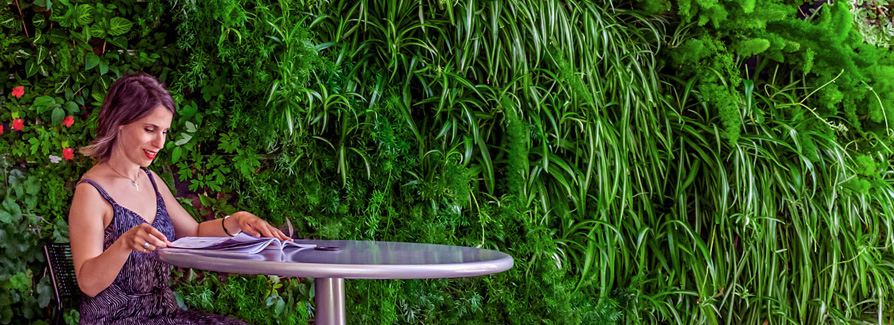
{"x":84,"y":15}
{"x":41,"y":53}
{"x":103,"y":67}
{"x":175,"y":154}
{"x":190,"y":127}
{"x":32,"y":186}
{"x":7,"y":20}
{"x":119,"y":26}
{"x":30,"y":68}
{"x":39,"y":21}
{"x":5,"y":217}
{"x":71,"y":107}
{"x":92,"y":61}
{"x":98,"y":30}
{"x":38,"y":37}
{"x":43,"y":103}
{"x":119,"y":41}
{"x":5,"y":314}
{"x":57,"y":36}
{"x":184,"y":140}
{"x":44,"y":293}
{"x":280,"y":305}
{"x":58,"y":115}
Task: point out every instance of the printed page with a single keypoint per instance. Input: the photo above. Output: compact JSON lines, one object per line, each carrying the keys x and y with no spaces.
{"x":241,"y":243}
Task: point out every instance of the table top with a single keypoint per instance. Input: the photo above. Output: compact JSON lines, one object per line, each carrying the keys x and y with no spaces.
{"x":350,"y":259}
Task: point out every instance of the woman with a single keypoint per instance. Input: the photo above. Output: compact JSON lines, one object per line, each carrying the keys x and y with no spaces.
{"x":120,"y":215}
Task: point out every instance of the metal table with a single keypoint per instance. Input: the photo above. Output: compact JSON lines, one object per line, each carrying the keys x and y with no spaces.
{"x":348,"y":259}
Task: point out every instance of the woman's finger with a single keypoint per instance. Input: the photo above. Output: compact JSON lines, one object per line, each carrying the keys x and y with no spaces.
{"x":279,"y":234}
{"x":262,"y":226}
{"x":160,"y":236}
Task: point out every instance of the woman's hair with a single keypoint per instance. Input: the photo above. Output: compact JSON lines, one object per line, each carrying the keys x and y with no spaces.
{"x":130,"y":98}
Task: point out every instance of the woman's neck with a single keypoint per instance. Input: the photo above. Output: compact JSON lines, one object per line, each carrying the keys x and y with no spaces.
{"x":124,"y":167}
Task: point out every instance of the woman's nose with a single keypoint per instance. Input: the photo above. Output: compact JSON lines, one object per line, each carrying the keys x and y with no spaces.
{"x":159,"y":141}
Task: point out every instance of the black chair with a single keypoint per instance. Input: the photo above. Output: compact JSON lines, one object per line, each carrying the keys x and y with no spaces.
{"x":62,"y":277}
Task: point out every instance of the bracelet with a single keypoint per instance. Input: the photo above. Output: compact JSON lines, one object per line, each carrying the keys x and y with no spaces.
{"x":223,"y":224}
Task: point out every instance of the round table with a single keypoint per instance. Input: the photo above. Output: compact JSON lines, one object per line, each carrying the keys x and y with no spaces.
{"x":332,"y":261}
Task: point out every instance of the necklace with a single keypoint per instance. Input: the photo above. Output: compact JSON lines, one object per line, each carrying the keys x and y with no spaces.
{"x":132,"y":181}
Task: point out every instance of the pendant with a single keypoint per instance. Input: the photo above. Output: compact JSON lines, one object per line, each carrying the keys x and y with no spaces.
{"x":136,"y":185}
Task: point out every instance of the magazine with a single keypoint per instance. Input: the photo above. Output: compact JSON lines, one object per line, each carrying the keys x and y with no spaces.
{"x":241,"y":243}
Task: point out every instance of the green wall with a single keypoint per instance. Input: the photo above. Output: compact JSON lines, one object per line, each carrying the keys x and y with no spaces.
{"x":655,"y":161}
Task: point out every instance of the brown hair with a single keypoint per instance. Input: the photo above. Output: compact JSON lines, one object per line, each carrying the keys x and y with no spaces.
{"x":130,"y":98}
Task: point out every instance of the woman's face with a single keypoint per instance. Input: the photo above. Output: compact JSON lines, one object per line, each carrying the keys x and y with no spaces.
{"x":141,"y":140}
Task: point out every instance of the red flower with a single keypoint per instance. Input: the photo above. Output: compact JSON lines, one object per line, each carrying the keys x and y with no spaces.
{"x":68,"y":121}
{"x":67,"y":153}
{"x":18,"y":91}
{"x":18,"y":124}
{"x":1,"y":129}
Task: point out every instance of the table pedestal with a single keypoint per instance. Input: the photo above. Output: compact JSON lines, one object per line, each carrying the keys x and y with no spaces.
{"x":330,"y":299}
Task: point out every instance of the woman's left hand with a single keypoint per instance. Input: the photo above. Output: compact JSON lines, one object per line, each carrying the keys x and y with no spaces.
{"x":256,"y":226}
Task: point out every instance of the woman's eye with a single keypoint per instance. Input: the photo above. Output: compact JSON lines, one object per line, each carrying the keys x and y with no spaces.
{"x":150,"y":130}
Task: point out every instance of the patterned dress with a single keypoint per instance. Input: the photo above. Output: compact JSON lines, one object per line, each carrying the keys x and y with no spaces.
{"x":140,"y":294}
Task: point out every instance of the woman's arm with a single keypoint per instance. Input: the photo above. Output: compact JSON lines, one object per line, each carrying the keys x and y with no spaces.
{"x":96,"y":269}
{"x":186,"y":226}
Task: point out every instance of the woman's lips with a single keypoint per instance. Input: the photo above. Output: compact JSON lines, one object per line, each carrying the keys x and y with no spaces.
{"x":150,"y":154}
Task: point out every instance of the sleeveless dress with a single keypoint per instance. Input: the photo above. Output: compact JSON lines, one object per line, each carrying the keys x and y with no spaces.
{"x":140,"y":294}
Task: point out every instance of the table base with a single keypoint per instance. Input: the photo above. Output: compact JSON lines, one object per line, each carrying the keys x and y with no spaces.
{"x":330,"y":299}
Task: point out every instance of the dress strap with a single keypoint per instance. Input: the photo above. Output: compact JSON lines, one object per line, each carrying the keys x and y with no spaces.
{"x":152,"y":179}
{"x":101,"y":191}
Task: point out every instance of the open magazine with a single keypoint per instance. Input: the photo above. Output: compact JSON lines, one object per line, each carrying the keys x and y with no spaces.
{"x":241,"y":243}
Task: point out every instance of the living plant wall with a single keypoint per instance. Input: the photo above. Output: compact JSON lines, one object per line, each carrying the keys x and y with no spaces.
{"x":653,"y":161}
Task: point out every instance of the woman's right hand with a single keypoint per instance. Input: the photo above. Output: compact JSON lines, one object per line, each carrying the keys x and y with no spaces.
{"x":144,"y":238}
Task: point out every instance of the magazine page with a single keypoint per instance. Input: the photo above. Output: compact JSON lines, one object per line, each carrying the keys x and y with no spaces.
{"x":241,"y":243}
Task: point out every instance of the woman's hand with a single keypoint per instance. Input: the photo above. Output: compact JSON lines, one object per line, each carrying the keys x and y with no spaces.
{"x":144,"y":238}
{"x":256,"y":226}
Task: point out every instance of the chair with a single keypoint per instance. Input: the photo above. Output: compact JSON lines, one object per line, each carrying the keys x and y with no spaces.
{"x":62,"y":277}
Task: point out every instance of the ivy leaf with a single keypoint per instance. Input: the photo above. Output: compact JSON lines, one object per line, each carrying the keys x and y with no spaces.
{"x":92,"y":61}
{"x":119,"y":26}
{"x":32,"y":186}
{"x":103,"y":67}
{"x":30,"y":68}
{"x":13,"y":209}
{"x":190,"y":127}
{"x":5,"y":217}
{"x":58,"y":115}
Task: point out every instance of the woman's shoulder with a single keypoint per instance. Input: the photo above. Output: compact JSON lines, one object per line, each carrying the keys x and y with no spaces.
{"x":95,"y":174}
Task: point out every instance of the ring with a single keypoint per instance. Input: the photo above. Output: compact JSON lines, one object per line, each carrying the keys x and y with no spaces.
{"x":146,"y":245}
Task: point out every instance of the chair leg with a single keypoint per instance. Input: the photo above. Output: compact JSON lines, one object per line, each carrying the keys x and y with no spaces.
{"x":58,"y":319}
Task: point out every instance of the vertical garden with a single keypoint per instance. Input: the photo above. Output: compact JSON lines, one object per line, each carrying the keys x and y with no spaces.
{"x":648,"y":161}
